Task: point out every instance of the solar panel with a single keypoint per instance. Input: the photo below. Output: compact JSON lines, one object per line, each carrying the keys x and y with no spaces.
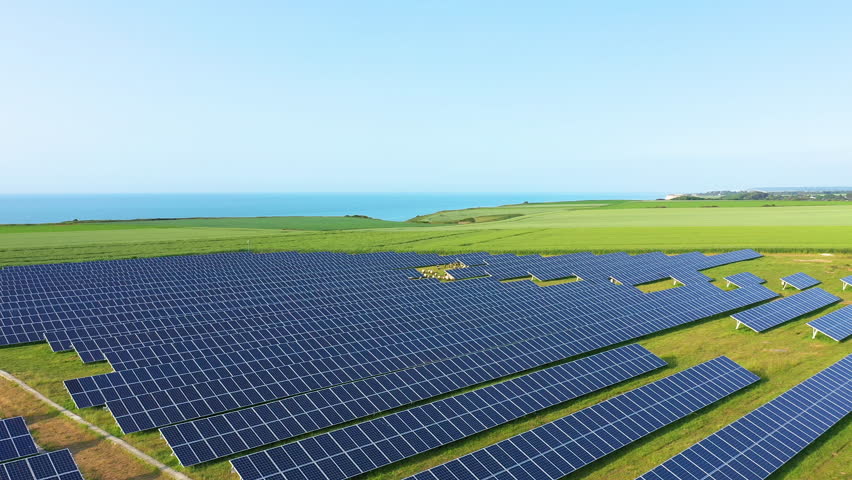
{"x":846,"y":282}
{"x":799,"y":281}
{"x":313,"y":411}
{"x":729,"y":257}
{"x":57,"y":465}
{"x":15,"y":439}
{"x":560,"y":447}
{"x":294,"y":368}
{"x":762,"y":441}
{"x":98,"y":295}
{"x":772,"y":314}
{"x":836,"y":325}
{"x":151,"y":410}
{"x":743,"y":279}
{"x":435,"y":423}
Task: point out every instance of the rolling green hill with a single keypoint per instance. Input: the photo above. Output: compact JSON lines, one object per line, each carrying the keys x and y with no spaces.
{"x":596,"y":225}
{"x":782,"y":357}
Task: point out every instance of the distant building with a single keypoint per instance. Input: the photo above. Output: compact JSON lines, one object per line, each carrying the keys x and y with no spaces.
{"x":672,"y":196}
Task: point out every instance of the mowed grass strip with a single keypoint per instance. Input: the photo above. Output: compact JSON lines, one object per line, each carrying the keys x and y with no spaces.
{"x":782,"y":357}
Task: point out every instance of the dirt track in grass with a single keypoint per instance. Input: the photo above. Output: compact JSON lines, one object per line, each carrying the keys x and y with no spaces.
{"x":98,"y":458}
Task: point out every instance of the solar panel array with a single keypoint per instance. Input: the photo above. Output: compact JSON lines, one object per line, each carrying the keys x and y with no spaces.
{"x":799,"y":281}
{"x":423,"y":428}
{"x":837,"y":325}
{"x":744,"y":279}
{"x":764,"y":317}
{"x":58,"y":465}
{"x":253,"y":349}
{"x":316,"y":410}
{"x":15,"y":439}
{"x":759,"y":443}
{"x":560,"y":447}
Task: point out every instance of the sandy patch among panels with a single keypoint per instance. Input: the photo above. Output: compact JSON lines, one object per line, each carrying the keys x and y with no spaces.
{"x":98,"y":458}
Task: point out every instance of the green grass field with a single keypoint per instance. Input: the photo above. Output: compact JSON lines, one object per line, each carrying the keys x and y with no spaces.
{"x":814,"y":237}
{"x":596,"y":225}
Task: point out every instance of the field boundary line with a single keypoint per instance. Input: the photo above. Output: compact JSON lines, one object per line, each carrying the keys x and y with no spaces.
{"x":108,"y":436}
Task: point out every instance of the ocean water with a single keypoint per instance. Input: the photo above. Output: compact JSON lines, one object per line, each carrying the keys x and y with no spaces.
{"x":387,"y":206}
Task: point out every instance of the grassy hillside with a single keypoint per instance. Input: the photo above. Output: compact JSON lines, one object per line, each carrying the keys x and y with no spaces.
{"x":596,"y":225}
{"x":782,"y":357}
{"x":533,"y":209}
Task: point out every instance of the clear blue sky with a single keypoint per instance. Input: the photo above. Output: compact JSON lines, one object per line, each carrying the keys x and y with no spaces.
{"x":187,"y":96}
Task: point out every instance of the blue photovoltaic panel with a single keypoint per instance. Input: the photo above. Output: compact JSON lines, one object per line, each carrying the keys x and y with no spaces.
{"x":766,"y":316}
{"x":563,"y":446}
{"x":670,"y":308}
{"x":729,"y":257}
{"x":846,"y":281}
{"x":57,"y":465}
{"x":761,"y":442}
{"x":744,"y":278}
{"x":837,"y":325}
{"x":15,"y":439}
{"x":800,"y":281}
{"x":294,"y":416}
{"x":493,"y":325}
{"x":429,"y":426}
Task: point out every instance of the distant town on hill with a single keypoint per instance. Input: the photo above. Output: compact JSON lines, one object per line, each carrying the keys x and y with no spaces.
{"x":771,"y":193}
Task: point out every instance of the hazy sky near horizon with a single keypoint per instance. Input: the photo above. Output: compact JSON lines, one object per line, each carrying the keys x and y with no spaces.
{"x":476,"y":96}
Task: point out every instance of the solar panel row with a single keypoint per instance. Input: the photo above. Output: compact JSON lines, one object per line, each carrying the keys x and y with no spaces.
{"x":352,"y":359}
{"x":759,"y":443}
{"x":564,"y":445}
{"x":772,"y":314}
{"x":57,"y":465}
{"x":799,"y":281}
{"x":390,"y":321}
{"x":316,"y":410}
{"x":363,"y":447}
{"x":744,"y":279}
{"x":836,"y":325}
{"x":151,"y":410}
{"x":378,"y":299}
{"x":15,"y":439}
{"x":319,"y":314}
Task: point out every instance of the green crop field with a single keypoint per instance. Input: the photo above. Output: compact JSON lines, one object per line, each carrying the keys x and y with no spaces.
{"x":597,"y":225}
{"x":814,"y":237}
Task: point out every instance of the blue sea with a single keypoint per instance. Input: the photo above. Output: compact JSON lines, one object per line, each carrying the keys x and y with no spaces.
{"x":386,"y":206}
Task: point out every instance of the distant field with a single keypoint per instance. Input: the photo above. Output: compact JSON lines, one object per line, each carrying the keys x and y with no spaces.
{"x":596,"y":225}
{"x":654,"y":207}
{"x":281,"y":223}
{"x":783,"y":356}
